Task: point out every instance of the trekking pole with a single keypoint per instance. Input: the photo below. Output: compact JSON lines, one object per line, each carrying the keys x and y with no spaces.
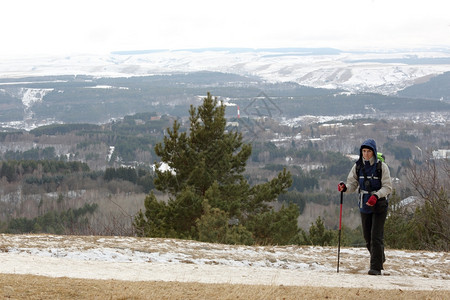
{"x":339,"y":239}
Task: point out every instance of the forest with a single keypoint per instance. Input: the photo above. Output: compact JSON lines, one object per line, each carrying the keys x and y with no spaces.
{"x":101,"y":179}
{"x":87,"y":99}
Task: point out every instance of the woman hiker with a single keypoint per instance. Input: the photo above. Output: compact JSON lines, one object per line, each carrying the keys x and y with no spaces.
{"x":372,"y":179}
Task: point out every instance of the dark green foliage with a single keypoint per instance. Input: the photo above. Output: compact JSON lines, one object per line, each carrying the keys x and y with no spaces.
{"x":431,"y":221}
{"x":135,"y":134}
{"x":155,"y":220}
{"x":47,"y":153}
{"x":11,"y":109}
{"x":319,"y":235}
{"x":140,"y":177}
{"x":128,"y":174}
{"x":82,"y":102}
{"x":432,"y":224}
{"x":269,"y":147}
{"x":436,"y":88}
{"x":8,"y":170}
{"x":338,"y":164}
{"x":4,"y":135}
{"x":275,"y":227}
{"x":43,"y":176}
{"x":44,"y":179}
{"x":56,"y":129}
{"x":424,"y":228}
{"x":330,"y":104}
{"x":12,"y":169}
{"x":206,"y":187}
{"x":293,"y":197}
{"x":310,"y":153}
{"x":72,"y":221}
{"x":399,"y":227}
{"x":403,"y":136}
{"x":214,"y":226}
{"x":125,"y":146}
{"x":304,"y":182}
{"x":146,"y":182}
{"x":400,"y":153}
{"x":350,"y":237}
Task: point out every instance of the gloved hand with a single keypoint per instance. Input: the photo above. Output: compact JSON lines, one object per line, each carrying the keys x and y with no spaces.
{"x":372,"y":200}
{"x":342,"y":187}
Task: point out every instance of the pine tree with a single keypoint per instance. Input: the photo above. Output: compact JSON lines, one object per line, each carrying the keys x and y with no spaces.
{"x":206,"y":171}
{"x":319,"y":235}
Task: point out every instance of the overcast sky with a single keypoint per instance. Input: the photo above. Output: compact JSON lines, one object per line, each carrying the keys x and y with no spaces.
{"x":67,"y":27}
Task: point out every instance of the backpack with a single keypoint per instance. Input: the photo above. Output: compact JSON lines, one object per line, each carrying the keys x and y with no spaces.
{"x":382,"y":203}
{"x":380,"y":157}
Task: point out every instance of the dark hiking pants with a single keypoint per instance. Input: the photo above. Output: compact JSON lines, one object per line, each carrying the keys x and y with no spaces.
{"x":373,"y":230}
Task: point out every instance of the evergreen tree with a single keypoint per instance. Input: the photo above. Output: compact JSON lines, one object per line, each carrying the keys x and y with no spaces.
{"x":319,"y":235}
{"x":206,"y":181}
{"x":400,"y":229}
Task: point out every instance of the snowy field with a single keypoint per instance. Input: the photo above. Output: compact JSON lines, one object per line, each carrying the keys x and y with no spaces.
{"x":378,"y":72}
{"x":148,"y":259}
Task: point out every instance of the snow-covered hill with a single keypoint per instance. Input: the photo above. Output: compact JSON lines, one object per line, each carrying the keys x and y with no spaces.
{"x":379,"y":72}
{"x":147,"y":259}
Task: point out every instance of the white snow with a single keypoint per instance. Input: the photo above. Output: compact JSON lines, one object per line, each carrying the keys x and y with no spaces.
{"x":351,"y":71}
{"x":110,"y":153}
{"x":148,"y":259}
{"x":107,"y":87}
{"x":30,"y":96}
{"x":163,"y":167}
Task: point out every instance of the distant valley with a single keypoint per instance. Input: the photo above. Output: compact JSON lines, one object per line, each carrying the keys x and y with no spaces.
{"x":379,"y":72}
{"x":298,"y":81}
{"x":303,"y":109}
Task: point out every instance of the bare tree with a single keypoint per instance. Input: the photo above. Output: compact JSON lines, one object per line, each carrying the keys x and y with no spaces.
{"x":431,"y":180}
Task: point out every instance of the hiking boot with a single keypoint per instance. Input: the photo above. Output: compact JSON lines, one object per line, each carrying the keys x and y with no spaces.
{"x":374,"y":272}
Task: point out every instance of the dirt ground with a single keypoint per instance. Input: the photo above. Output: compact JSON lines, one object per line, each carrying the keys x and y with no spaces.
{"x":39,"y":287}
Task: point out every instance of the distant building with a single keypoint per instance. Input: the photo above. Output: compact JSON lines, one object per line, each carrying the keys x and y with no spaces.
{"x":232,"y":124}
{"x":441,"y":154}
{"x":410,"y":203}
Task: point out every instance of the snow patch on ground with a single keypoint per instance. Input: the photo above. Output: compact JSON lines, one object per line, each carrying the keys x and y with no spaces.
{"x":30,"y":96}
{"x":148,"y":259}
